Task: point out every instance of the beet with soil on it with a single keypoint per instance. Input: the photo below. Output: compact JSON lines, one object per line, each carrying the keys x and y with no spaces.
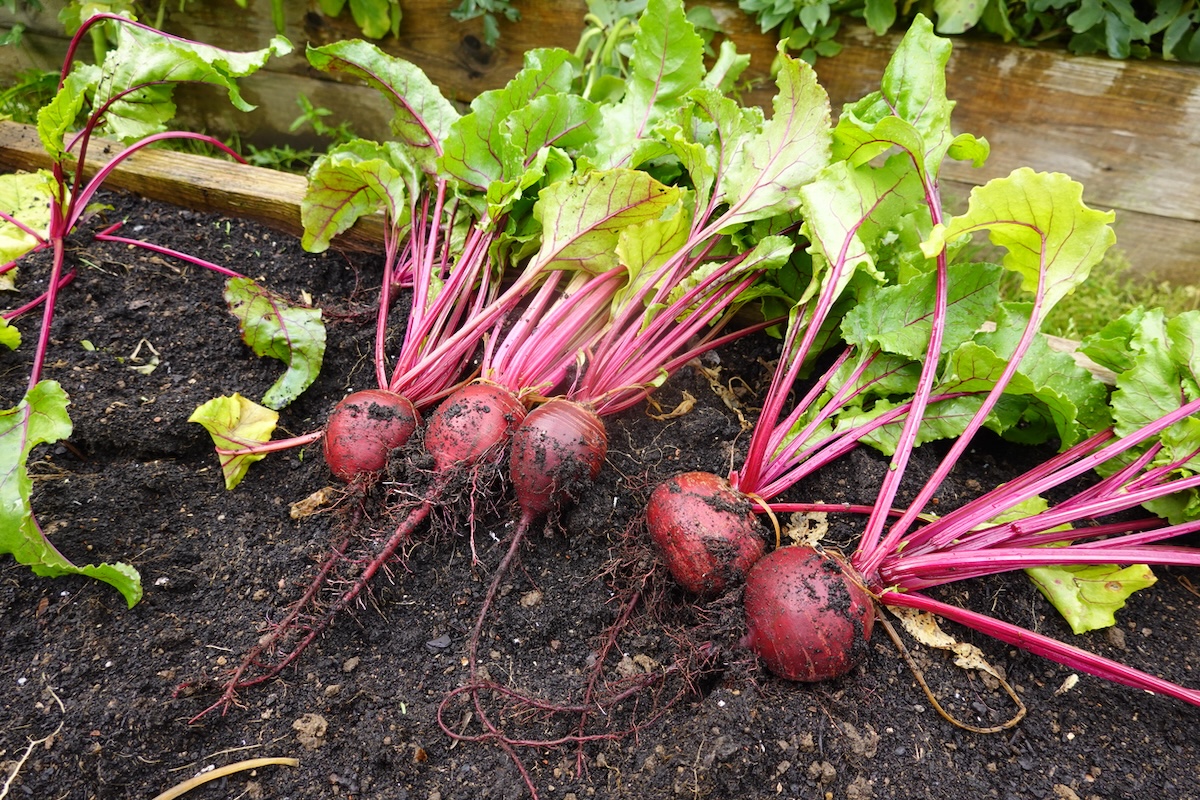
{"x":705,"y":530}
{"x":558,"y":450}
{"x":472,"y":425}
{"x":808,"y":619}
{"x":364,"y":428}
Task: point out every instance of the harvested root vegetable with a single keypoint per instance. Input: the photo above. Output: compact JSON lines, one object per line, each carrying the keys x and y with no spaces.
{"x":364,"y":428}
{"x":708,"y":536}
{"x":471,"y":425}
{"x":808,"y":619}
{"x":559,"y":449}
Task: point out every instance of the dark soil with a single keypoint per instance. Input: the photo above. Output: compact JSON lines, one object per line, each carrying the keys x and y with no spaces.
{"x":137,"y":482}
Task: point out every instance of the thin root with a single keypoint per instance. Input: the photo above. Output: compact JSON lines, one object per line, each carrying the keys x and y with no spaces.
{"x":12,"y":776}
{"x":919,"y":675}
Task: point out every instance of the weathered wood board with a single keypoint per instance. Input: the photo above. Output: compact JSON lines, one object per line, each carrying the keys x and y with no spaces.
{"x":1129,"y":131}
{"x":268,"y":196}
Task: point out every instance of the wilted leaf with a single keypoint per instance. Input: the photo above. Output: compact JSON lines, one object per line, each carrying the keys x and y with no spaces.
{"x":236,"y":423}
{"x":273,"y":327}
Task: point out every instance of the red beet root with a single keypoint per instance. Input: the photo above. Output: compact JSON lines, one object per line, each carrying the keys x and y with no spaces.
{"x":558,"y":449}
{"x":808,"y":620}
{"x":473,"y":424}
{"x":706,"y":532}
{"x":364,"y":428}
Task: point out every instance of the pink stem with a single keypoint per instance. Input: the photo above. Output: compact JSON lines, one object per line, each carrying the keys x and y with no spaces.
{"x":105,"y":236}
{"x":1065,"y":654}
{"x":41,"y":298}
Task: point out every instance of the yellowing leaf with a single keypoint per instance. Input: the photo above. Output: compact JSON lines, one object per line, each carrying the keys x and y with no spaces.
{"x":1088,"y":595}
{"x":923,"y":627}
{"x":26,"y":198}
{"x":10,"y":337}
{"x":236,"y":423}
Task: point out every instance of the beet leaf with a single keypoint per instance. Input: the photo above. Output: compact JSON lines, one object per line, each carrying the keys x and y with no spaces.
{"x":236,"y":423}
{"x":41,"y":418}
{"x":273,"y":327}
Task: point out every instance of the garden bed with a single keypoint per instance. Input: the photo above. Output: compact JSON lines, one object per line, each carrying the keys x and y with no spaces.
{"x":137,"y":482}
{"x":1128,"y":130}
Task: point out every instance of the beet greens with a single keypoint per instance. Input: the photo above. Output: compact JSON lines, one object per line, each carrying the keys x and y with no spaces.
{"x":919,"y":364}
{"x":128,"y":97}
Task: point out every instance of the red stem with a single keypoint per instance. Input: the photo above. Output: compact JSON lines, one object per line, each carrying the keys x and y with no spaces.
{"x":106,"y":236}
{"x":41,"y":298}
{"x":1072,"y":657}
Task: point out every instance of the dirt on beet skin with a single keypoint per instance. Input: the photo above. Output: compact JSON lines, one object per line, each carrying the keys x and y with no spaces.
{"x":97,"y":685}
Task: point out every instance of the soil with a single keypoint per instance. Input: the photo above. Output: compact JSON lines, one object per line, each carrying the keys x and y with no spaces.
{"x":359,"y":710}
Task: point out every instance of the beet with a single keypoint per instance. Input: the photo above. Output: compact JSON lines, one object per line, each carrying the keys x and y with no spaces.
{"x":808,"y":620}
{"x":559,"y":448}
{"x":707,"y":533}
{"x":474,"y":423}
{"x":364,"y":428}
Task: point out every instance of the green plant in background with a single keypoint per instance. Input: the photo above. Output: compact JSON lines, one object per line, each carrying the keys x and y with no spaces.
{"x":491,"y":11}
{"x":286,"y":158}
{"x":1169,"y":29}
{"x":17,"y":30}
{"x":31,"y":89}
{"x":808,"y":27}
{"x":375,"y":18}
{"x":1109,"y":292}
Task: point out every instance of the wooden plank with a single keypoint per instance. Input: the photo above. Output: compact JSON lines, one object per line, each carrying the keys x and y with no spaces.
{"x":207,"y":184}
{"x":1129,"y":131}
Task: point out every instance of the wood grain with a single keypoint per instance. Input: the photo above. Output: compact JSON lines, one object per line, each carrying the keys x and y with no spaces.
{"x":270,"y":197}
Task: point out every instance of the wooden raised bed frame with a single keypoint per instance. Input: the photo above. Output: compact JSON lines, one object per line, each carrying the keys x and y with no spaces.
{"x":1129,"y":131}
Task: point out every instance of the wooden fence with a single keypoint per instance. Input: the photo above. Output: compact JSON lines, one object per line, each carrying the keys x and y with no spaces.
{"x":1128,"y":130}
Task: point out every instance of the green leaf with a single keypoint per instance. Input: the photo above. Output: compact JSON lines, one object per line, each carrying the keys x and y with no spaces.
{"x":910,"y":111}
{"x":560,"y":120}
{"x":26,"y":197}
{"x":880,"y":15}
{"x":373,"y":17}
{"x":1050,"y":395}
{"x":710,"y":130}
{"x":792,"y":148}
{"x":645,"y":246}
{"x":1112,"y":346}
{"x":958,"y":16}
{"x":478,"y":149}
{"x":582,"y":218}
{"x":40,"y":418}
{"x":944,"y":419}
{"x":729,"y":66}
{"x":236,"y":423}
{"x":898,"y":318}
{"x":770,"y":253}
{"x":1088,"y":595}
{"x":667,"y":62}
{"x":422,"y":116}
{"x":151,"y":64}
{"x":1051,"y":237}
{"x":1161,"y":372}
{"x":848,"y":210}
{"x":351,"y":181}
{"x":58,"y":116}
{"x":273,"y":327}
{"x":1069,"y":396}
